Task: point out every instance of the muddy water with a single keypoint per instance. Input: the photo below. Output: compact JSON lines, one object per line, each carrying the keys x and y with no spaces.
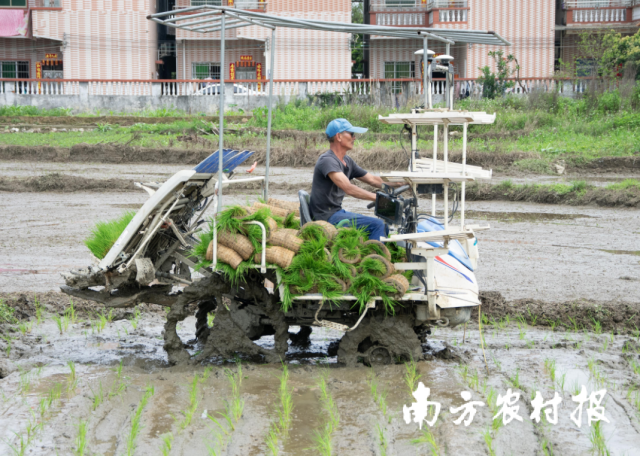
{"x":548,"y":252}
{"x":516,"y":357}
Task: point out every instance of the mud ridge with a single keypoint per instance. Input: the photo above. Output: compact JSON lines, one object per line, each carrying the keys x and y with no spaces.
{"x":582,"y":314}
{"x":293,"y":154}
{"x":63,"y":183}
{"x":79,"y":121}
{"x":629,"y":197}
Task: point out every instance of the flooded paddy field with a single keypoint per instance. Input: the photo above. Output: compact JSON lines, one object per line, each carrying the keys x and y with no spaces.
{"x":545,"y":262}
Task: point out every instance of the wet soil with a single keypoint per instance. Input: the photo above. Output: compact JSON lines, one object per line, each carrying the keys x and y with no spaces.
{"x":283,"y":153}
{"x":518,"y":357}
{"x":629,"y":197}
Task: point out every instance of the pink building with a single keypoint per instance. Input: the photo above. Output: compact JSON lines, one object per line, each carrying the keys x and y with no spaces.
{"x":300,"y":54}
{"x":78,"y":39}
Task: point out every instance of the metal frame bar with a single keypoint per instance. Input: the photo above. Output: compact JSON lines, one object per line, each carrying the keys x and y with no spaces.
{"x":221,"y":116}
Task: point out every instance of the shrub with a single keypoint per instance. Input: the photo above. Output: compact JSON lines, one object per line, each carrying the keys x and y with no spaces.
{"x":609,"y":102}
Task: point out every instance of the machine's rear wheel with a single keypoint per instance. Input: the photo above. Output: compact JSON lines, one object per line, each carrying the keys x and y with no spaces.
{"x":380,"y":340}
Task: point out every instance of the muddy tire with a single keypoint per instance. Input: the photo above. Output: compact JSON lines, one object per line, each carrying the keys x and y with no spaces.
{"x":202,"y":327}
{"x":380,"y":340}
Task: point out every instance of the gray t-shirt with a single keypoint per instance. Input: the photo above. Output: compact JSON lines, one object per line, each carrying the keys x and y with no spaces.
{"x":326,"y":197}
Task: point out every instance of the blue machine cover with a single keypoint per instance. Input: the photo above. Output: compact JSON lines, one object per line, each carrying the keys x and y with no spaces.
{"x":455,"y":248}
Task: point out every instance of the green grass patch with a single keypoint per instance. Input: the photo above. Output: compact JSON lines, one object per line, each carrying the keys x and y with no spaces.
{"x":105,"y":234}
{"x":626,"y":184}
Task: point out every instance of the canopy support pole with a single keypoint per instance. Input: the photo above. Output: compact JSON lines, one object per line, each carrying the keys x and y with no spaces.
{"x":425,"y":70}
{"x":221,"y":114}
{"x":272,"y":56}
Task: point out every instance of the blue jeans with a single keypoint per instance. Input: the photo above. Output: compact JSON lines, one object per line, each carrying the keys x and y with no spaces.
{"x":373,"y":226}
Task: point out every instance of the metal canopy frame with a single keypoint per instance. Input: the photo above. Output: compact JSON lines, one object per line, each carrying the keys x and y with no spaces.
{"x":209,"y":18}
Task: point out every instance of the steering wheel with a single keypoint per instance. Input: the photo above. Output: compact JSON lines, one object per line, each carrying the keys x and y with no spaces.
{"x":394,"y":192}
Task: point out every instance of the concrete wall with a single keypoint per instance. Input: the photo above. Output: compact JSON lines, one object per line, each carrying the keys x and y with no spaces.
{"x":379,"y":95}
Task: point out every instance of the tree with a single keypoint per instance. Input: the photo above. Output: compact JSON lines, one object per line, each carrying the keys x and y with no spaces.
{"x":494,"y":84}
{"x":357,"y":40}
{"x":620,"y":51}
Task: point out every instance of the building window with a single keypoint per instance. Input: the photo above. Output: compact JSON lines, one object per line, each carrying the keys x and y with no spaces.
{"x":398,"y":70}
{"x":13,"y":3}
{"x":206,"y":70}
{"x":15,"y":70}
{"x":207,"y":2}
{"x":399,"y":3}
{"x":586,"y":67}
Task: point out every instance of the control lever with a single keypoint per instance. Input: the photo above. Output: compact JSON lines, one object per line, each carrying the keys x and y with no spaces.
{"x":401,"y":189}
{"x":371,"y":205}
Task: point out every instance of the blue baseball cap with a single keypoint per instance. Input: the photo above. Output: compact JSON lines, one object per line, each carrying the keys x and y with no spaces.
{"x":339,"y":125}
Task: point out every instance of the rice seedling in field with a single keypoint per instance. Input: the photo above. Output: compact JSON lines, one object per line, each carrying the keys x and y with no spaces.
{"x":488,"y":439}
{"x":597,"y":326}
{"x":50,"y":400}
{"x":323,"y":437}
{"x":81,"y":438}
{"x":8,"y":340}
{"x":411,"y":376}
{"x":635,"y":366}
{"x":167,"y":443}
{"x":492,"y":403}
{"x":25,"y":382}
{"x":21,"y":447}
{"x":428,"y":438}
{"x":286,"y":402}
{"x":39,"y":311}
{"x":25,"y":327}
{"x":550,"y":367}
{"x":6,"y":313}
{"x":118,"y":385}
{"x":598,"y":442}
{"x":105,"y":234}
{"x":561,"y":381}
{"x":605,"y":345}
{"x":597,"y":375}
{"x":136,"y":426}
{"x":136,"y":318}
{"x":70,"y":313}
{"x":235,"y":407}
{"x":272,"y":440}
{"x":62,"y":322}
{"x":98,"y":397}
{"x":383,"y":444}
{"x":378,"y":393}
{"x":193,"y":404}
{"x":515,"y":380}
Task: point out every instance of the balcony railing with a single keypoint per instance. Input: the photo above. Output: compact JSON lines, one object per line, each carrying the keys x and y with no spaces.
{"x":600,"y":15}
{"x":49,"y":3}
{"x":448,"y":15}
{"x":255,"y":5}
{"x":412,"y":5}
{"x":573,"y":4}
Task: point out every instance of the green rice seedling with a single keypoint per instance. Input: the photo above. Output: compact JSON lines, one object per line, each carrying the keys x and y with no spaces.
{"x":8,"y":340}
{"x":411,"y":376}
{"x":574,"y":323}
{"x":635,"y":367}
{"x":98,"y":397}
{"x":119,"y":386}
{"x":105,"y":234}
{"x":488,"y":439}
{"x":25,"y":327}
{"x":81,"y":438}
{"x":561,"y":381}
{"x":598,"y":442}
{"x":62,"y":322}
{"x":522,"y":332}
{"x":286,"y":402}
{"x":383,"y":440}
{"x":515,"y":380}
{"x":532,"y":318}
{"x":272,"y":440}
{"x":428,"y":438}
{"x":597,"y":326}
{"x":193,"y":404}
{"x":102,"y":321}
{"x":39,"y":311}
{"x":136,"y":318}
{"x":70,"y":313}
{"x":605,"y":345}
{"x":136,"y":426}
{"x":6,"y":313}
{"x":492,"y":403}
{"x":596,"y":373}
{"x":21,"y":447}
{"x":550,"y":367}
{"x":167,"y":443}
{"x":206,"y":373}
{"x":323,"y":437}
{"x":25,"y":382}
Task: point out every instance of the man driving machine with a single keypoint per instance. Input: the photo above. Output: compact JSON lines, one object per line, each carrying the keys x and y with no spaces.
{"x":332,"y":180}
